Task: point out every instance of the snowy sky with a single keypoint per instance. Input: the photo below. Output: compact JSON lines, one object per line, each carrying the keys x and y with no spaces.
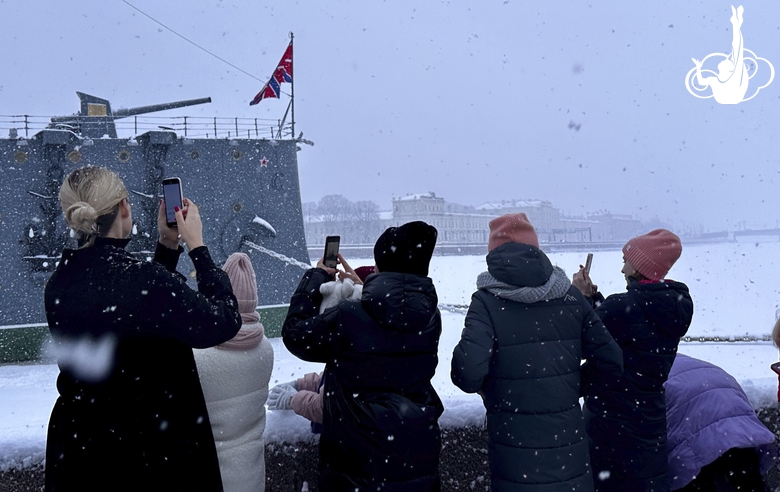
{"x":471,"y":100}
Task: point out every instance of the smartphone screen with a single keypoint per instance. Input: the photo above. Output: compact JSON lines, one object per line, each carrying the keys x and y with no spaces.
{"x":331,"y":251}
{"x":173,"y":198}
{"x":588,"y":262}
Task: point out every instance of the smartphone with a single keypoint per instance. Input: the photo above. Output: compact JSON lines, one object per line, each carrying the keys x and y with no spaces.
{"x":332,"y":251}
{"x":588,"y":263}
{"x":173,"y":198}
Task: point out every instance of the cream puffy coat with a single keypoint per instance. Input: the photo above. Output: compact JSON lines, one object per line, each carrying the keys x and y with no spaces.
{"x":235,"y":385}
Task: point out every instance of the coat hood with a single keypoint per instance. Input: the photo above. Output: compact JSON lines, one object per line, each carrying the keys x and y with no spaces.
{"x":667,"y":304}
{"x":521,"y":265}
{"x":399,"y":301}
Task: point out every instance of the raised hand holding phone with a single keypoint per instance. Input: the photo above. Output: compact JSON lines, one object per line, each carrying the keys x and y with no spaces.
{"x":348,"y":272}
{"x":173,"y":197}
{"x":581,"y":280}
{"x":169,"y":236}
{"x":190,"y":226}
{"x":331,"y":255}
{"x":189,"y":230}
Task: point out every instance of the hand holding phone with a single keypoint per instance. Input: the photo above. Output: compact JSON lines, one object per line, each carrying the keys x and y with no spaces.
{"x":581,"y":280}
{"x":331,"y":256}
{"x":190,"y":226}
{"x":173,"y":197}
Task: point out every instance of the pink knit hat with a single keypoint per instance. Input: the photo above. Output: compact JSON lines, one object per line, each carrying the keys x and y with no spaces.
{"x":511,"y":228}
{"x":654,"y":253}
{"x":242,"y":278}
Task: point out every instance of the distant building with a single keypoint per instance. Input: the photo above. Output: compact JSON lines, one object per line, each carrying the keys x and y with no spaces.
{"x":614,"y":227}
{"x":455,"y":223}
{"x":540,"y":213}
{"x":465,"y":224}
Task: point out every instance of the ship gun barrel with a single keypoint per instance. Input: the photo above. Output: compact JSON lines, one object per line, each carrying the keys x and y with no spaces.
{"x":96,"y":119}
{"x":124,"y":113}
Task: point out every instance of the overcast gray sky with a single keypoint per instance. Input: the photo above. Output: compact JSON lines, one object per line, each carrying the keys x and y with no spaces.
{"x":475,"y":101}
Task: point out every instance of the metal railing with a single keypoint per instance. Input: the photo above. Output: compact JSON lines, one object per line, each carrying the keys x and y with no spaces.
{"x":187,"y":126}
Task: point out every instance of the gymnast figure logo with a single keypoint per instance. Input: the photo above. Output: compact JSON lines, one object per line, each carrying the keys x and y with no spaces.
{"x":735,"y":70}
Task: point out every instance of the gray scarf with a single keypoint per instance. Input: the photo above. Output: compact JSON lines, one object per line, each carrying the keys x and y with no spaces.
{"x":555,"y":287}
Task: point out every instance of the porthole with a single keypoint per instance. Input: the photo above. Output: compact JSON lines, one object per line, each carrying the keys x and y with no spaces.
{"x":74,"y":156}
{"x":237,"y":207}
{"x":20,"y":157}
{"x":194,"y":155}
{"x":123,"y":156}
{"x":237,"y":154}
{"x":277,"y":182}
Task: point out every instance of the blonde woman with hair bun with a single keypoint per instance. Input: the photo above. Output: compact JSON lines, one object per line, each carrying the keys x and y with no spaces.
{"x":90,"y":199}
{"x":131,"y":413}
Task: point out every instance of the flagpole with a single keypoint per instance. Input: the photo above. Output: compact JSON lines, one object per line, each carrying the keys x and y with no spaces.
{"x":292,"y":86}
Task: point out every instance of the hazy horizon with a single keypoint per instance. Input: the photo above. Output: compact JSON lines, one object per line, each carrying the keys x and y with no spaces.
{"x":582,"y":105}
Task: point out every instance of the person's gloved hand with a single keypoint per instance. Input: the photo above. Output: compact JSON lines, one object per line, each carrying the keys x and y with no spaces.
{"x":280,"y":397}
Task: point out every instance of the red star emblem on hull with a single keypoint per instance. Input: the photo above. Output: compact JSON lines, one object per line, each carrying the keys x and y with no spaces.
{"x":264,"y":162}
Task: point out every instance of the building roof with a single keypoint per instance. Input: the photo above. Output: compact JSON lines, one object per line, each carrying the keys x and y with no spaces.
{"x":419,"y":196}
{"x":510,"y":204}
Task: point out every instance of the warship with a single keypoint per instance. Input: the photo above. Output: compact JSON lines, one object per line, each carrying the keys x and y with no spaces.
{"x":242,"y":173}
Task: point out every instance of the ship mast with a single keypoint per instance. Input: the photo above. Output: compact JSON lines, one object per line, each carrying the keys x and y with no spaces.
{"x":292,"y":86}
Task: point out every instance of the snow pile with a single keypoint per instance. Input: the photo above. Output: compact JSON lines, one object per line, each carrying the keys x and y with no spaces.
{"x":27,"y":394}
{"x":20,"y":459}
{"x":760,"y":392}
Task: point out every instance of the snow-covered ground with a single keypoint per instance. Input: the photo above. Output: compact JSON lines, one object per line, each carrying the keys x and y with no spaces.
{"x":732,"y":285}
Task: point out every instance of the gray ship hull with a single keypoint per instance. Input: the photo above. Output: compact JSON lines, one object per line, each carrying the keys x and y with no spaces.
{"x":247,"y":189}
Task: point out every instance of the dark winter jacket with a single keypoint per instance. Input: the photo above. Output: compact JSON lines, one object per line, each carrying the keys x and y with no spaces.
{"x":708,"y":413}
{"x":380,"y":414}
{"x":524,"y":358}
{"x":626,"y":416}
{"x":139,"y":422}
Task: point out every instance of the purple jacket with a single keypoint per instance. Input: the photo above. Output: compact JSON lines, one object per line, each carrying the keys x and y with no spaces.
{"x":707,"y":413}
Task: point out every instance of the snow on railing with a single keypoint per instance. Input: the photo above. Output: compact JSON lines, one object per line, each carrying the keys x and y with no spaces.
{"x":763,"y":339}
{"x":278,"y":256}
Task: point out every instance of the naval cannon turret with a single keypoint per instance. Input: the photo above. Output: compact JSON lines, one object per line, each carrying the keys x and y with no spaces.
{"x":246,"y":186}
{"x":96,"y":118}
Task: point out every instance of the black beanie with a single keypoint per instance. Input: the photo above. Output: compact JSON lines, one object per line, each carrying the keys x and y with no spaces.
{"x":406,"y":249}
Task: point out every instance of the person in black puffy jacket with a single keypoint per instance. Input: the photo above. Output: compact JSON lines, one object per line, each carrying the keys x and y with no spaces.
{"x":626,"y":416}
{"x":526,"y":332}
{"x":380,"y":412}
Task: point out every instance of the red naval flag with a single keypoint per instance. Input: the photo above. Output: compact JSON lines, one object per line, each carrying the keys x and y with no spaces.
{"x":283,"y":73}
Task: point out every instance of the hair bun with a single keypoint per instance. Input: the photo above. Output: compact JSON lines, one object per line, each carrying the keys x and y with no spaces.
{"x":81,"y":216}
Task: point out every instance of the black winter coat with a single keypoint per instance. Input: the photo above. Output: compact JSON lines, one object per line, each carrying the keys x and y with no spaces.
{"x":626,"y":416}
{"x":380,"y":415}
{"x":143,"y":424}
{"x":525,"y":361}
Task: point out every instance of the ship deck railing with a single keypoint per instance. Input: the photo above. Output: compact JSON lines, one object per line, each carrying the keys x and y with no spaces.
{"x":186,"y":126}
